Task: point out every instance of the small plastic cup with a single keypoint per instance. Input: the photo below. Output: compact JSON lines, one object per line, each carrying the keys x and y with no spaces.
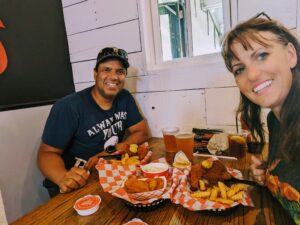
{"x":87,"y":205}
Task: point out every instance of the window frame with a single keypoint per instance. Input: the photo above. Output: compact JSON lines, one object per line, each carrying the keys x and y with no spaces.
{"x":150,"y":32}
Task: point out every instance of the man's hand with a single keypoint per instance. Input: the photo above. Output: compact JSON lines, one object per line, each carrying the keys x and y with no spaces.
{"x":91,"y":163}
{"x":258,"y":170}
{"x":122,"y":147}
{"x":73,"y":179}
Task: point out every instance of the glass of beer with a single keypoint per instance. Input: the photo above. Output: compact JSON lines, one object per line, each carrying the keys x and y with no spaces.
{"x":170,"y":143}
{"x":237,"y":144}
{"x":185,"y":142}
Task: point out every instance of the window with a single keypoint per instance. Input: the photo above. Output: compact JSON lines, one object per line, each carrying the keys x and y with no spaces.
{"x":186,"y":28}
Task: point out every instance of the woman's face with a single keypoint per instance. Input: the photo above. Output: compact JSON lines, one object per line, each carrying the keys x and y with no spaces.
{"x":263,"y":74}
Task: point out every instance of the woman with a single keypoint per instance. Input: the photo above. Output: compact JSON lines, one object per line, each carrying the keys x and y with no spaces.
{"x":264,"y":58}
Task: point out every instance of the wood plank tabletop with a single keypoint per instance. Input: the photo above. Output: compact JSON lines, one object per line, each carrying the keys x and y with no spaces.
{"x":59,"y":210}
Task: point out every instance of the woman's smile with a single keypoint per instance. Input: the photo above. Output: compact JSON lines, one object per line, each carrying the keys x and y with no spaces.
{"x":259,"y":89}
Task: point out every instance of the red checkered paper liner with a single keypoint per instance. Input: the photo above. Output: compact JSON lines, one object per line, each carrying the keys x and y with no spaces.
{"x":181,"y":194}
{"x":112,"y":176}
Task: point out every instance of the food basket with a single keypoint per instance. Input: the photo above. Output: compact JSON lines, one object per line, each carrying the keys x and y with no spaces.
{"x":146,"y":207}
{"x":111,"y":178}
{"x":182,"y":196}
{"x":140,"y":196}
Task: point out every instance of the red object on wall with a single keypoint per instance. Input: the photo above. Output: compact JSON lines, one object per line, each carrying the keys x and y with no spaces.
{"x":3,"y":55}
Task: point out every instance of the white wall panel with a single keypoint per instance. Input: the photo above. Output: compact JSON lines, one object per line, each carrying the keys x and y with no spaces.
{"x":282,"y":10}
{"x":180,"y":108}
{"x":83,"y":71}
{"x":98,"y":13}
{"x":184,"y":78}
{"x":81,"y":86}
{"x":85,"y":46}
{"x":221,"y":104}
{"x":66,"y":3}
{"x":115,"y":11}
{"x":80,"y":17}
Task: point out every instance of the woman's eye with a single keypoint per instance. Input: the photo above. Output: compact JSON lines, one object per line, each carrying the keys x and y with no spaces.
{"x":238,"y":71}
{"x":263,"y":55}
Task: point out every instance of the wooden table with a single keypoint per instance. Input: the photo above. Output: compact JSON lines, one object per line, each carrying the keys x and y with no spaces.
{"x":59,"y":210}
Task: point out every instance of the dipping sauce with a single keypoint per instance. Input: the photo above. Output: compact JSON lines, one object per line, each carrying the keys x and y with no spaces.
{"x":87,"y":205}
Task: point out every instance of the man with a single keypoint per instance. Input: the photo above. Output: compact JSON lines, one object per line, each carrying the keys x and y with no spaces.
{"x":84,"y":123}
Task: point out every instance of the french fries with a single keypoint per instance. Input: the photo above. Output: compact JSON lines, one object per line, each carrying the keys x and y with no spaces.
{"x":221,"y":193}
{"x":202,"y":185}
{"x":126,"y":160}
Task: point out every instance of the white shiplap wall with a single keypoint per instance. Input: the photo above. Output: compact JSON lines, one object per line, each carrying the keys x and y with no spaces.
{"x":165,"y":96}
{"x":196,"y":95}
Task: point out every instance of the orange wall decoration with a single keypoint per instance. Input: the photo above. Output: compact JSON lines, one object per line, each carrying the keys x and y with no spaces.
{"x":3,"y":56}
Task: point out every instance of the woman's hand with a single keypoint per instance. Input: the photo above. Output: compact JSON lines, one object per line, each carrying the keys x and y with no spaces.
{"x":258,"y":170}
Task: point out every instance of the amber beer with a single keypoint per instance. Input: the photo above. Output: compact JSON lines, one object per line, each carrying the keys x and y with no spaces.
{"x":185,"y":142}
{"x":170,"y":143}
{"x":237,"y":145}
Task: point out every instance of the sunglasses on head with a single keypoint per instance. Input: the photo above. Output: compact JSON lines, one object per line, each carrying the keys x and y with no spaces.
{"x":113,"y":51}
{"x":261,"y":14}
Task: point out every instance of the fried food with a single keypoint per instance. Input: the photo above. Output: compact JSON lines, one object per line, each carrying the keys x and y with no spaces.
{"x":236,"y":188}
{"x":160,"y":183}
{"x":136,"y":150}
{"x":195,"y":175}
{"x":133,"y":160}
{"x":202,"y":185}
{"x":134,"y":185}
{"x":224,"y":201}
{"x":126,"y":160}
{"x":222,"y":189}
{"x":152,"y":183}
{"x":222,"y":193}
{"x":217,"y":172}
{"x":142,"y":151}
{"x":238,"y":196}
{"x":115,"y":161}
{"x":206,"y":182}
{"x":201,"y":194}
{"x":214,"y":194}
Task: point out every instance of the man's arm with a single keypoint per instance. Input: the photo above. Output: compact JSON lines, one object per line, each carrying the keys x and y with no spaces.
{"x":137,"y":134}
{"x":52,"y":166}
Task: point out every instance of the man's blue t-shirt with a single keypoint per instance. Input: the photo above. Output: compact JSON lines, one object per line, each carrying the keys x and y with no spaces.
{"x":81,"y":128}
